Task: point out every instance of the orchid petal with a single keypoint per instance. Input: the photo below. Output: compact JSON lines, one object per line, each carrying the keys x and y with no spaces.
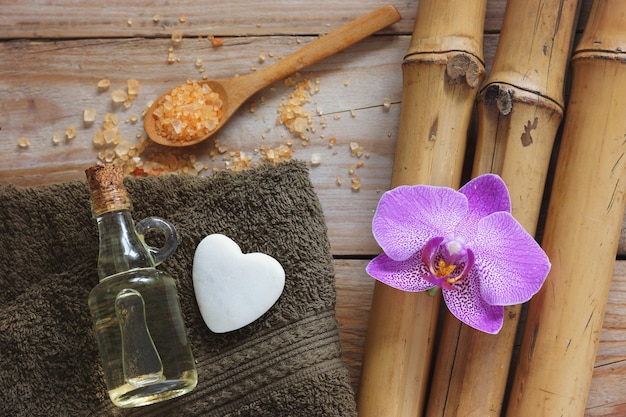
{"x":404,"y":275}
{"x":408,"y":216}
{"x":513,"y":266}
{"x":465,"y":302}
{"x":485,"y":194}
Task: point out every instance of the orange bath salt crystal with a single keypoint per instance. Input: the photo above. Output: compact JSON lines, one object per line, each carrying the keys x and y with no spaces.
{"x":122,"y":148}
{"x":111,"y":118}
{"x":189,"y":112}
{"x":132,"y":87}
{"x":316,"y":159}
{"x":104,"y":84}
{"x":56,"y":138}
{"x":177,"y":37}
{"x":355,"y":182}
{"x":70,"y":132}
{"x":23,"y":142}
{"x":98,"y":138}
{"x":119,"y":96}
{"x":291,"y":112}
{"x":89,"y":115}
{"x":356,"y":149}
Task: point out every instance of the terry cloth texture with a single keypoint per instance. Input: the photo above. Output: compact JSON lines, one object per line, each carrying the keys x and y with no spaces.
{"x":287,"y":363}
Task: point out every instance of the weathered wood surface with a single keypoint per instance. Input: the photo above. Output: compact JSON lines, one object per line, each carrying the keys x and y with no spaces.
{"x":52,"y":56}
{"x":94,"y":19}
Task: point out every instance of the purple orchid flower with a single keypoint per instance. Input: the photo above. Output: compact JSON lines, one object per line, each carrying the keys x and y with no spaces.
{"x":465,"y":242}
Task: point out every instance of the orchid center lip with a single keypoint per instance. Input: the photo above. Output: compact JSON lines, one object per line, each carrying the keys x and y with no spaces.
{"x":448,"y":261}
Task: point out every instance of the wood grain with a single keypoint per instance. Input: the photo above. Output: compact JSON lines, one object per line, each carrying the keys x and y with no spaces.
{"x":610,"y":366}
{"x":89,"y":19}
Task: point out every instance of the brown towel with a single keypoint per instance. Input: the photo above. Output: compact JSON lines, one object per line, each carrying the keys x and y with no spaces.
{"x":287,"y":363}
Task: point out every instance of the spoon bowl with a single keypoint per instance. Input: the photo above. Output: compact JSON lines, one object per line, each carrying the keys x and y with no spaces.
{"x":230,"y":105}
{"x":234,"y":91}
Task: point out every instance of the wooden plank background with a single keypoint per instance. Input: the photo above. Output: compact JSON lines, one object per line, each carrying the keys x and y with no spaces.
{"x":52,"y":54}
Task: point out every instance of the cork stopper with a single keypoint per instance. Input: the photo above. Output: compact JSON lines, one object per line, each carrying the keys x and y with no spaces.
{"x":107,"y":188}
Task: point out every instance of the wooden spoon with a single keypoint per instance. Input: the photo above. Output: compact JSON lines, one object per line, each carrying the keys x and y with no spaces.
{"x":236,"y":90}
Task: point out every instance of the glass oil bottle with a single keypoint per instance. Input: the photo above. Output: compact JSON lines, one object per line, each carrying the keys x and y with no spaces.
{"x":138,"y":324}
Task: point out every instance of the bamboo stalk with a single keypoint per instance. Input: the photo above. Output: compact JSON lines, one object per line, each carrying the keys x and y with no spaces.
{"x":520,"y":109}
{"x":565,"y":318}
{"x":441,"y":75}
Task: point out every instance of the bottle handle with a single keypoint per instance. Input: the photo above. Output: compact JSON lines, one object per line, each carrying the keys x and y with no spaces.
{"x":169,"y":232}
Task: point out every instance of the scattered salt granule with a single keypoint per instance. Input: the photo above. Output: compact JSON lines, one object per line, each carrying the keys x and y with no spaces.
{"x":104,"y":84}
{"x":122,"y":148}
{"x":177,"y":37}
{"x":133,"y":87}
{"x":56,"y":138}
{"x":316,"y":159}
{"x":355,"y":182}
{"x":386,"y":104}
{"x":89,"y":115}
{"x":70,"y":132}
{"x":98,"y":138}
{"x":23,"y":142}
{"x":356,"y":149}
{"x":119,"y":96}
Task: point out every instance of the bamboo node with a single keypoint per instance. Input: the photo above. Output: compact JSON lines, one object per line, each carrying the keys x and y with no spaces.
{"x":463,"y":67}
{"x":502,"y":98}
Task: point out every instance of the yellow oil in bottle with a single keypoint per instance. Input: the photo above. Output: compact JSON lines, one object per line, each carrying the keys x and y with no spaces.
{"x":160,"y":360}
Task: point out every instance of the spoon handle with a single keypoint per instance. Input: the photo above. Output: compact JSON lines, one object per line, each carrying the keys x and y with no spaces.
{"x":329,"y":44}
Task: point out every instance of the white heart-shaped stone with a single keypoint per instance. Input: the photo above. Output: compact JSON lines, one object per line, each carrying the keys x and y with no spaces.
{"x":234,"y":289}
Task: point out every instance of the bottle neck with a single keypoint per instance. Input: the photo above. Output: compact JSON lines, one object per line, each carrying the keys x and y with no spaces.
{"x":121,"y":247}
{"x":109,"y":198}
